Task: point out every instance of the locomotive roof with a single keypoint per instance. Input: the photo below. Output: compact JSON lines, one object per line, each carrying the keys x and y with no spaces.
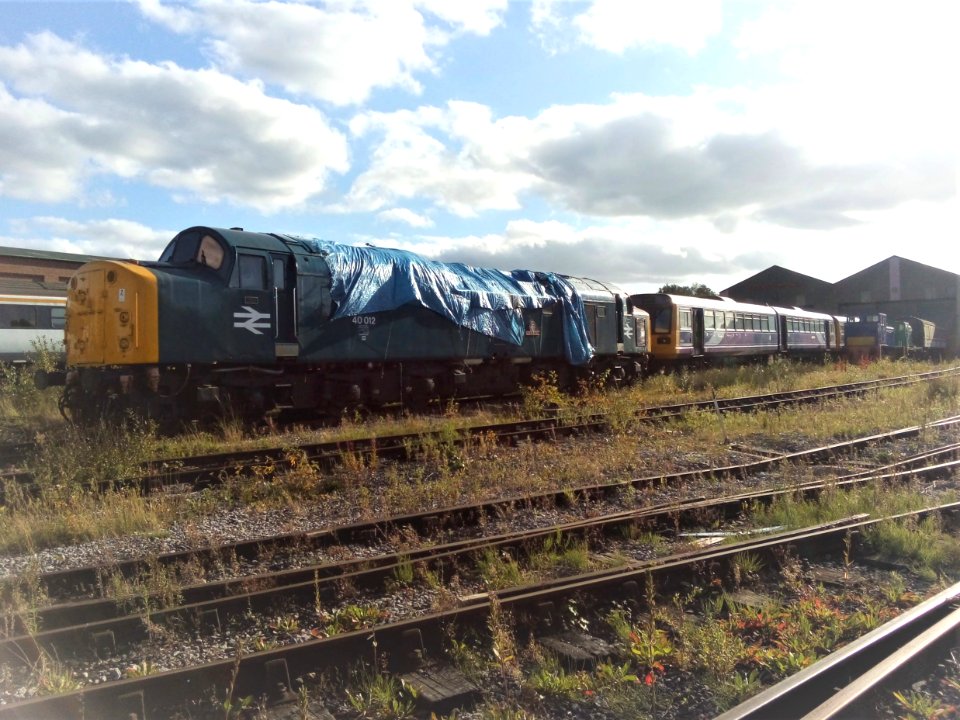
{"x":590,"y":289}
{"x":238,"y":237}
{"x":376,"y":279}
{"x":691,"y":301}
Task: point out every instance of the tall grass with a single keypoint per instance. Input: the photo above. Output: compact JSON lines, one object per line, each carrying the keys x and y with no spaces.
{"x":67,"y":462}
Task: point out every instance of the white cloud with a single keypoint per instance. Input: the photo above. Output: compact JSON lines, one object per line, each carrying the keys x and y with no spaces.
{"x":704,"y":155}
{"x":413,"y":160}
{"x":637,"y":255}
{"x":339,"y":52}
{"x":109,"y":238}
{"x":405,"y":216}
{"x":479,"y":17}
{"x":615,"y":26}
{"x":859,"y":74}
{"x":197,"y":131}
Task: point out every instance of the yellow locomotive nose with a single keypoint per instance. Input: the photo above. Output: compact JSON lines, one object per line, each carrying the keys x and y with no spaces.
{"x":112,"y":315}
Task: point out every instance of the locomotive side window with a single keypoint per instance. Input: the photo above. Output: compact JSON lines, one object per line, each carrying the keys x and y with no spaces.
{"x":279,"y":274}
{"x":253,"y":272}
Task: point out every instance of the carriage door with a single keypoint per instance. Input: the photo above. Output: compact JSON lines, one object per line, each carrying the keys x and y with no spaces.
{"x":285,"y":306}
{"x":697,"y":331}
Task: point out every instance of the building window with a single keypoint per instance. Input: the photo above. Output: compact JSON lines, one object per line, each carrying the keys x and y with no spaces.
{"x":23,"y":276}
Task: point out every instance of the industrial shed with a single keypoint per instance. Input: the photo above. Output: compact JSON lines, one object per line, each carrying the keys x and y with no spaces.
{"x":904,"y":288}
{"x":784,"y":288}
{"x":40,"y":266}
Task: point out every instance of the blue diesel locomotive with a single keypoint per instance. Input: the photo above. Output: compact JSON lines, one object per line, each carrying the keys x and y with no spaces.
{"x":260,"y":324}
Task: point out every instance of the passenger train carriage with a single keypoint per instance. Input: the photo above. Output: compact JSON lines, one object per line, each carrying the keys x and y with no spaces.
{"x":259,"y":324}
{"x":31,"y":315}
{"x":707,"y":330}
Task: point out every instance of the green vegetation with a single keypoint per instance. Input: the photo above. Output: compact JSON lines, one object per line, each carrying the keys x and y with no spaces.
{"x":23,"y":408}
{"x":377,"y":696}
{"x":67,"y":463}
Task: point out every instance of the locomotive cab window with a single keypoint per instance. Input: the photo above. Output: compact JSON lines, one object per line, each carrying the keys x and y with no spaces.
{"x":192,"y":247}
{"x":253,"y":272}
{"x":210,"y":252}
{"x":661,"y":321}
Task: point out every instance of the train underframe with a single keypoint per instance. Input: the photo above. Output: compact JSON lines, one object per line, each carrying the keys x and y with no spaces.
{"x":174,"y":395}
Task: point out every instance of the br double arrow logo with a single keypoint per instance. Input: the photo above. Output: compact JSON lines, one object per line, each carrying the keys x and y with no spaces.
{"x":250,"y":319}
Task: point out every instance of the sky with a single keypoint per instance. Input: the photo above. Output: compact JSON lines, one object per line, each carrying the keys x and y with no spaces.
{"x":638,"y":142}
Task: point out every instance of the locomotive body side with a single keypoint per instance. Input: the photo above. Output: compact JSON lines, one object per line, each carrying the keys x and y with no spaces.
{"x":260,"y":324}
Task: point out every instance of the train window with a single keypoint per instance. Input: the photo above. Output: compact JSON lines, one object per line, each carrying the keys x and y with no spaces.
{"x":18,"y":316}
{"x":601,"y":312}
{"x":661,"y":321}
{"x":685,"y":320}
{"x":210,"y":252}
{"x":181,"y":249}
{"x":57,"y":317}
{"x":709,"y":320}
{"x":279,"y":274}
{"x":253,"y":272}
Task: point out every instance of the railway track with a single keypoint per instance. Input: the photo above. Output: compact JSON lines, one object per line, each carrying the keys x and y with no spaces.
{"x":271,"y":673}
{"x":845,"y":683}
{"x":105,"y":627}
{"x":214,"y":611}
{"x":198,"y":472}
{"x":90,"y":580}
{"x":69,"y":626}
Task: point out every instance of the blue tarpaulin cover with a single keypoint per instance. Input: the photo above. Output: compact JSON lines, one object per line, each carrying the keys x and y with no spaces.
{"x":373,"y":279}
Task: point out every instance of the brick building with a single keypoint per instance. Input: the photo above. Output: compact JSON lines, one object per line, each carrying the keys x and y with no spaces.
{"x":40,"y":266}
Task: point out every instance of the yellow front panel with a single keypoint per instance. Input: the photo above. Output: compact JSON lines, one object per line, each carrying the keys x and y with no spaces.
{"x":666,"y":350}
{"x":112,"y":315}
